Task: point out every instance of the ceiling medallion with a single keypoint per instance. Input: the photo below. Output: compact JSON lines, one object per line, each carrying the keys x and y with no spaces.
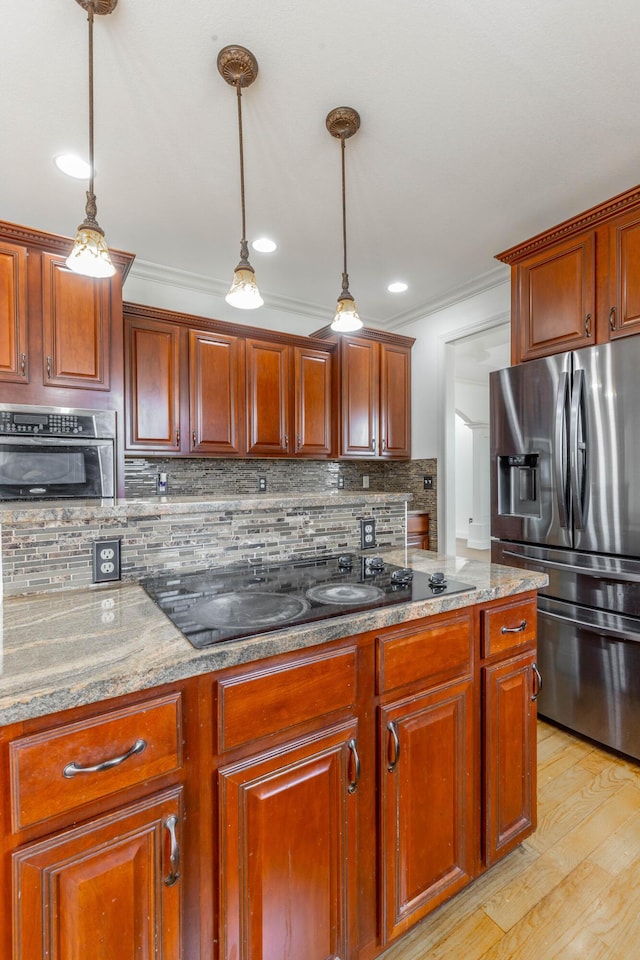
{"x":343,"y":122}
{"x":100,"y":7}
{"x":236,"y":65}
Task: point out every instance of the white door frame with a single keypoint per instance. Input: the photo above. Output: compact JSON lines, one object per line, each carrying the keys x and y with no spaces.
{"x":446,"y":505}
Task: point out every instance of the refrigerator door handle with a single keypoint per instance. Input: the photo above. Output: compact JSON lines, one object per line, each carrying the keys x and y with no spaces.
{"x":603,"y":628}
{"x":560,"y":449}
{"x":578,"y":442}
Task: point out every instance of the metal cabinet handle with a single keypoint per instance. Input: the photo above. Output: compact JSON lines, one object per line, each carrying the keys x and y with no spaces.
{"x":195,"y":439}
{"x":49,"y":365}
{"x":612,"y":318}
{"x":587,"y":325}
{"x":177,"y":438}
{"x":73,"y":768}
{"x":373,"y":444}
{"x":353,"y":786}
{"x":285,"y":441}
{"x":23,"y":364}
{"x":519,"y":629}
{"x":392,"y":764}
{"x":384,"y":445}
{"x":174,"y":856}
{"x":299,"y":441}
{"x":538,"y":677}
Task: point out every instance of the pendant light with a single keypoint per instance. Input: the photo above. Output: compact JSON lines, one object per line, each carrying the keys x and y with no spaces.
{"x":239,"y":68}
{"x":342,"y":123}
{"x":90,"y":254}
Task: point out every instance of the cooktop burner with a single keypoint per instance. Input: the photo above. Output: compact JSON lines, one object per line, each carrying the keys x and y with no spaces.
{"x":212,"y":606}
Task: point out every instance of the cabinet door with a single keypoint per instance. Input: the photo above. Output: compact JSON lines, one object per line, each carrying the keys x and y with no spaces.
{"x":624,"y":275}
{"x":395,"y":401}
{"x":103,"y":890}
{"x":268,"y":398}
{"x":360,"y":361}
{"x":153,"y":386}
{"x":510,"y":754}
{"x":76,"y":327}
{"x":427,"y":815}
{"x":556,"y":299}
{"x":312,"y":385}
{"x":288,"y":853}
{"x":13,"y":313}
{"x":216,"y":393}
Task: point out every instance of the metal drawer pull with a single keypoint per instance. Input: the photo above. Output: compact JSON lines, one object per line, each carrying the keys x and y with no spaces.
{"x":353,"y":786}
{"x":519,"y":629}
{"x":612,"y":319}
{"x":538,"y":676}
{"x":23,"y":363}
{"x":587,"y":325}
{"x":73,"y":768}
{"x":391,"y":727}
{"x":174,"y":856}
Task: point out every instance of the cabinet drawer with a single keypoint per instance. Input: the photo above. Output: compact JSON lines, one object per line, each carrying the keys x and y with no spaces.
{"x":267,"y":701}
{"x":508,"y":627}
{"x":436,"y":653}
{"x":44,"y":779}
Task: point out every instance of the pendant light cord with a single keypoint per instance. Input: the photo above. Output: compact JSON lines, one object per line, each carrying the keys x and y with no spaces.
{"x":345,"y":276}
{"x":243,"y":242}
{"x":91,"y":208}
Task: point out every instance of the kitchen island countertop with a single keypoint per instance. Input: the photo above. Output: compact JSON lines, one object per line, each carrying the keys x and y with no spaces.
{"x":70,"y":648}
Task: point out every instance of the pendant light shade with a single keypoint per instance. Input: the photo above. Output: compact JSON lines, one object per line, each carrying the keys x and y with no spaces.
{"x":90,"y":254}
{"x":239,"y":68}
{"x":342,"y":123}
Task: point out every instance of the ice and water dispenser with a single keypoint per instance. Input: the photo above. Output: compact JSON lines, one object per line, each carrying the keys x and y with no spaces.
{"x":518,"y":485}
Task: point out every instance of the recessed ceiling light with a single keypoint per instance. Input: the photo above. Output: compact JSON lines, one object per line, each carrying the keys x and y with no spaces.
{"x":264,"y":245}
{"x":73,"y":166}
{"x":397,"y":287}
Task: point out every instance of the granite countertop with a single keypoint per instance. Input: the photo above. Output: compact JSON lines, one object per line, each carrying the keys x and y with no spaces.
{"x":65,"y":649}
{"x":50,"y":510}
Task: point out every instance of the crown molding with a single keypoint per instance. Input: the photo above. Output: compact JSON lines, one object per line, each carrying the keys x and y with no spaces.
{"x":464,"y":291}
{"x":211,"y":286}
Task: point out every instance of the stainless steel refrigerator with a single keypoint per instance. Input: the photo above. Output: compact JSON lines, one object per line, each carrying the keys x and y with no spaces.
{"x":565,"y":499}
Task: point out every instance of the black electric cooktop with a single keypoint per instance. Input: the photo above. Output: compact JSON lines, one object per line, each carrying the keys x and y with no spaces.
{"x":211,"y":606}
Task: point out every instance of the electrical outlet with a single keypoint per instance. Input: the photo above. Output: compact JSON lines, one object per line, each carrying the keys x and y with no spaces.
{"x":427,"y":483}
{"x":262,"y":484}
{"x":106,"y":560}
{"x":367,"y":533}
{"x":340,"y":483}
{"x":365,"y":483}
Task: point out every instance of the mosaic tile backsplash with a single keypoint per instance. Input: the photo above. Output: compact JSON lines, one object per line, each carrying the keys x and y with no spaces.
{"x":53,"y":551}
{"x":211,"y":477}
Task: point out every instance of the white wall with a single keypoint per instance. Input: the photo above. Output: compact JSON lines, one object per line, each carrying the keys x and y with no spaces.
{"x":464,"y":475}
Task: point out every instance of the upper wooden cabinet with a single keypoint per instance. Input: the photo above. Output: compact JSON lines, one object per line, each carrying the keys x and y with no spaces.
{"x":152,"y":385}
{"x":60,"y":333}
{"x":13,"y":312}
{"x":374,"y":390}
{"x":216,"y":394}
{"x":207,"y":388}
{"x":268,"y":409}
{"x":578,"y":283}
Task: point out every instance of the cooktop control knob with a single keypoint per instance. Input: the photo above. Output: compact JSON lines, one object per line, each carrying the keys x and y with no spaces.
{"x":438,"y":579}
{"x":374,"y":563}
{"x":345,"y":562}
{"x":403,"y":575}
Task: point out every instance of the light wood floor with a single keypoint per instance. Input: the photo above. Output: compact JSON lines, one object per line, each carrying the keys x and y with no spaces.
{"x":569,"y":892}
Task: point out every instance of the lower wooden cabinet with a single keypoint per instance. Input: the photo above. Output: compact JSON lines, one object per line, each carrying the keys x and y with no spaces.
{"x":288,"y":851}
{"x":510,"y":750}
{"x":427,"y":803}
{"x":106,"y":889}
{"x":314,"y":804}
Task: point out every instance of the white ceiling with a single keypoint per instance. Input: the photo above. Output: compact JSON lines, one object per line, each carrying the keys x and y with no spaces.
{"x":482,"y":123}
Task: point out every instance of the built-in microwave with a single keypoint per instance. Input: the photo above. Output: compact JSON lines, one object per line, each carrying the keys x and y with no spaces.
{"x":51,"y":453}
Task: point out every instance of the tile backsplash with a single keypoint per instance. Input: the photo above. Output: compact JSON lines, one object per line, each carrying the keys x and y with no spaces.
{"x":228,"y":477}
